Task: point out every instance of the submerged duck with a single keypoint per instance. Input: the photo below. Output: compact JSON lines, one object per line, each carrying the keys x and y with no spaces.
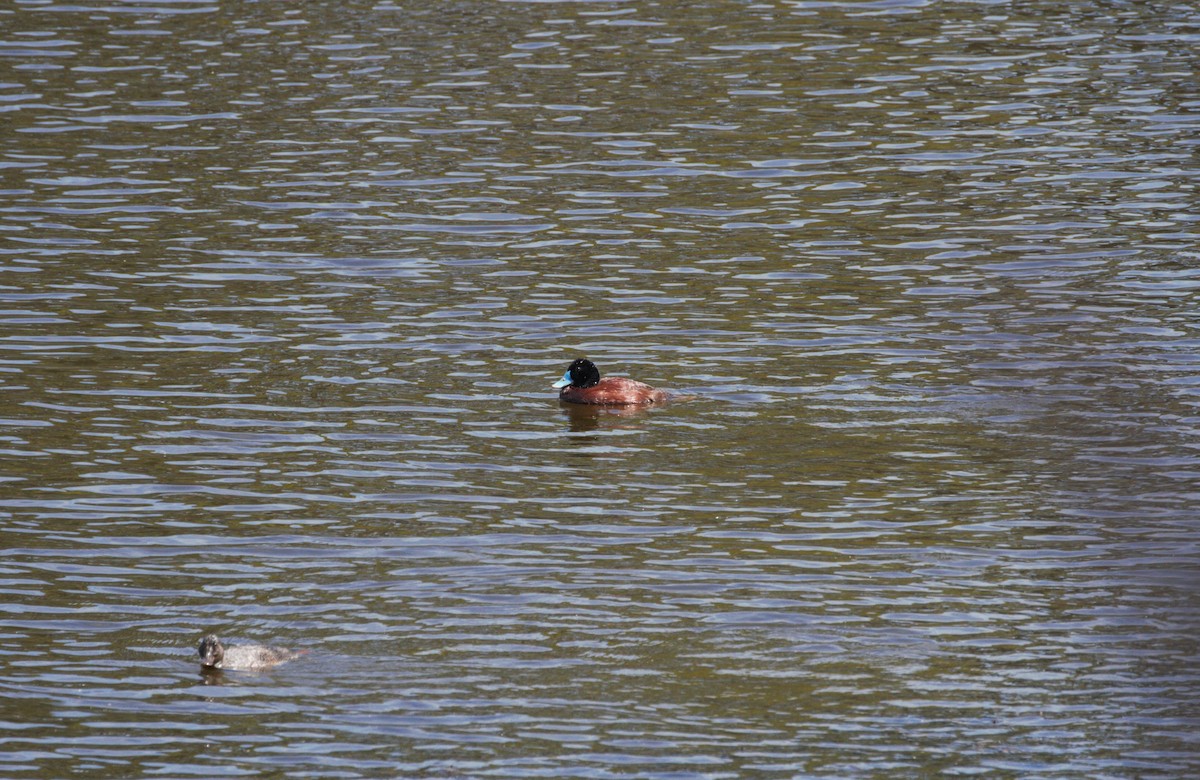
{"x":582,"y":385}
{"x":214,"y":655}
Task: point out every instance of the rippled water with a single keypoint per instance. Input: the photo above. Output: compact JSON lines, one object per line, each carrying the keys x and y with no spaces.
{"x":285,"y":286}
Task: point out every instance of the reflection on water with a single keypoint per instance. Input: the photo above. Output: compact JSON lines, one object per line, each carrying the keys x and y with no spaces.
{"x":282,"y":291}
{"x":609,"y":419}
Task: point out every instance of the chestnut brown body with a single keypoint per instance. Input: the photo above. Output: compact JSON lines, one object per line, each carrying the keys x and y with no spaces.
{"x":613,"y":391}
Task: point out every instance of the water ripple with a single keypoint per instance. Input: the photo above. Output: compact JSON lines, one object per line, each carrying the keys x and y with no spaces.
{"x":284,"y":288}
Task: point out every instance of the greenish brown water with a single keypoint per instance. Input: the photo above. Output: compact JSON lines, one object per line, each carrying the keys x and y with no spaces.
{"x":283,"y":288}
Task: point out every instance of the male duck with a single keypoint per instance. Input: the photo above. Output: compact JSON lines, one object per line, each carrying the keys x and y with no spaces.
{"x":581,"y":384}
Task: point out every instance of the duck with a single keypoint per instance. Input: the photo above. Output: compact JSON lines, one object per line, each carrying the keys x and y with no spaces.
{"x":214,"y":655}
{"x":581,"y":384}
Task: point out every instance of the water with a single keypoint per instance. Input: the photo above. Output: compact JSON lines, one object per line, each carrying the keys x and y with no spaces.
{"x":284,"y":289}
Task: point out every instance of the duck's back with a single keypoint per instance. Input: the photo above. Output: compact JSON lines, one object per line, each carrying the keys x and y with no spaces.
{"x":614,"y":391}
{"x":255,"y":657}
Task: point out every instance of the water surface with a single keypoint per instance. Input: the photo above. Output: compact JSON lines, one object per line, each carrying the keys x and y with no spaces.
{"x":284,"y":288}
